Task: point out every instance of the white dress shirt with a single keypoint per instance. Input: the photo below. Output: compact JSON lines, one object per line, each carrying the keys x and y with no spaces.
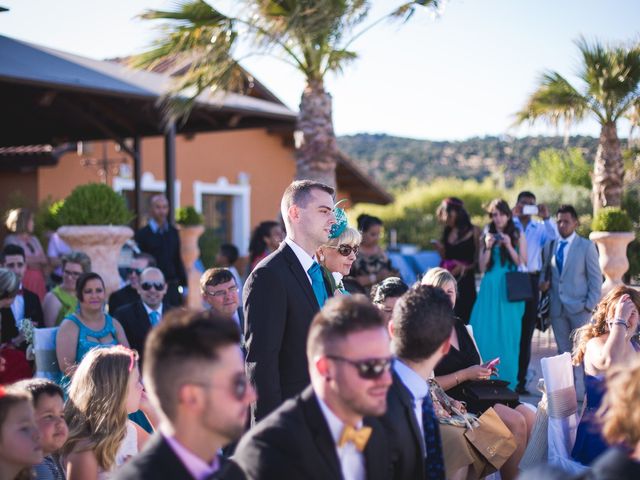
{"x":303,"y":257}
{"x":569,"y":241}
{"x":351,"y":460}
{"x":17,"y":308}
{"x":149,"y":310}
{"x":418,"y":387}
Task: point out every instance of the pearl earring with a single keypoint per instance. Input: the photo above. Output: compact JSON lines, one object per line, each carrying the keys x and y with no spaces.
{"x":321,"y":257}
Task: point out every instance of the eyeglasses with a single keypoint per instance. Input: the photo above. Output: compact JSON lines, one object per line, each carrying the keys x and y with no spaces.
{"x":239,"y":386}
{"x":72,"y":274}
{"x":128,"y":271}
{"x":368,"y":369}
{"x":158,"y":286}
{"x":222,"y":293}
{"x":345,"y":250}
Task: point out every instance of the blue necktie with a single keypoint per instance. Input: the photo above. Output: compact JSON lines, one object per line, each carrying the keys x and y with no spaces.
{"x":154,"y":318}
{"x":434,"y":463}
{"x":317,"y":283}
{"x":560,"y":256}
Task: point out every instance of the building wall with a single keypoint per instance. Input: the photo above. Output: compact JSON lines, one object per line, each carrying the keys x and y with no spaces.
{"x":19,"y":187}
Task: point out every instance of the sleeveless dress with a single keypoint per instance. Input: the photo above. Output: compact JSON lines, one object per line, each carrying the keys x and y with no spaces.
{"x":68,"y":301}
{"x":589,"y":442}
{"x":88,"y":338}
{"x":497,"y":322}
{"x":464,"y":251}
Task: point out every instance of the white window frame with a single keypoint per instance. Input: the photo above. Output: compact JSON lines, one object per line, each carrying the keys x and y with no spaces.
{"x":240,"y":208}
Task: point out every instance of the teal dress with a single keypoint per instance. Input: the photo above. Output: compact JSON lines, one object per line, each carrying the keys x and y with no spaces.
{"x":497,"y":322}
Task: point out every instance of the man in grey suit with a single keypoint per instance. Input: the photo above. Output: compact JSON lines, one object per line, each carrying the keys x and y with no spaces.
{"x":576,"y":279}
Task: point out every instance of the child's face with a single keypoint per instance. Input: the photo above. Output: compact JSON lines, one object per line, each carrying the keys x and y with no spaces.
{"x":19,"y":437}
{"x":50,"y":420}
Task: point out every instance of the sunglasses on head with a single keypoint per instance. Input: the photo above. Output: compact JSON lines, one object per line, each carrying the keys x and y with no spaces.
{"x":368,"y":369}
{"x":146,"y":286}
{"x":345,"y":250}
{"x":239,"y":386}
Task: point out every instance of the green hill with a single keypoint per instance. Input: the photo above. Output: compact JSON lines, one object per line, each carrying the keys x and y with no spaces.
{"x":394,"y":161}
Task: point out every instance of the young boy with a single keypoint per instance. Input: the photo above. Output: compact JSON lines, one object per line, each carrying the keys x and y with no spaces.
{"x":48,"y":403}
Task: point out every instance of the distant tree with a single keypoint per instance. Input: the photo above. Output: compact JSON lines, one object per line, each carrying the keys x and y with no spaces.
{"x":314,"y":36}
{"x":611,"y":87}
{"x":560,"y":167}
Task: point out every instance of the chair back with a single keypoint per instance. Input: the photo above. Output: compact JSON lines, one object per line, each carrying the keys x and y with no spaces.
{"x":44,"y":348}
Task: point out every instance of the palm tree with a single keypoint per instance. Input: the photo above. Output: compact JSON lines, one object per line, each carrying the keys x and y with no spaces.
{"x":312,"y":35}
{"x":610,"y":89}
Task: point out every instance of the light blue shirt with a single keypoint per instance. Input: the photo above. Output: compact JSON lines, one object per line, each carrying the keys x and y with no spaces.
{"x":537,"y":234}
{"x":155,"y":227}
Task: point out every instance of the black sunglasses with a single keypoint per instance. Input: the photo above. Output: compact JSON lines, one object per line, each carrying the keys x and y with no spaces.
{"x":129,"y":271}
{"x":345,"y":250}
{"x":368,"y":369}
{"x":239,"y":386}
{"x":146,"y":286}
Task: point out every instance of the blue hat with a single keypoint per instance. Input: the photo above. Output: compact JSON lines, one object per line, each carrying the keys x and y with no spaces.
{"x":342,"y":222}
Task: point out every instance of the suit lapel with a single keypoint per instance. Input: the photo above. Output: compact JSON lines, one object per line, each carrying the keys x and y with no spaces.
{"x":407,"y":401}
{"x":145,"y":323}
{"x":320,"y":431}
{"x":300,"y":275}
{"x":571,"y":256}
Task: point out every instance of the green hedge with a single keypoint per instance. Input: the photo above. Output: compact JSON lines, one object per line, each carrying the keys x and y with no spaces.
{"x":94,"y":204}
{"x":611,"y":219}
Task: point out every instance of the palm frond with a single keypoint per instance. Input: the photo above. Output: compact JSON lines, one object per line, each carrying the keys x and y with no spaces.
{"x":405,"y":11}
{"x":555,"y":99}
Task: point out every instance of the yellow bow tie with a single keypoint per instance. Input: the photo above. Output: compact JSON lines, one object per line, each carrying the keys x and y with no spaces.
{"x":358,"y":437}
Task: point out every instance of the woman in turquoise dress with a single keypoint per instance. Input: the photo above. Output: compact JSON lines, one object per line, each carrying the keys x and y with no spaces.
{"x":496,"y":321}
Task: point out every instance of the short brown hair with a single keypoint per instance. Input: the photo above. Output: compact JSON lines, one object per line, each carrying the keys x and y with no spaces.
{"x":297,"y":193}
{"x":215,"y":276}
{"x":340,"y":317}
{"x":184,"y":345}
{"x":620,"y":410}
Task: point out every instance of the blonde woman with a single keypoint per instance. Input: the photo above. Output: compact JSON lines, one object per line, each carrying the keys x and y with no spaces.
{"x":338,"y":254}
{"x":608,"y":340}
{"x":620,"y":419}
{"x":104,"y":389}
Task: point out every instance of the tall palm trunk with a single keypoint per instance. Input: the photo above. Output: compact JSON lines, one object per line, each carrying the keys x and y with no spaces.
{"x":317,"y":153}
{"x":608,"y":169}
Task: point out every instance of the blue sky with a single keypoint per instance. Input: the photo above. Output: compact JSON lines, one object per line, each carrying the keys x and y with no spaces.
{"x":460,"y":75}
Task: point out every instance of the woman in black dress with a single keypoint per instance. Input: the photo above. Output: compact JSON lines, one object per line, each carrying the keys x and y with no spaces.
{"x":458,"y":249}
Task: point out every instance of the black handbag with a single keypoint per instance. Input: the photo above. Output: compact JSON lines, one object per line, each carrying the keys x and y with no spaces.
{"x":484,"y":394}
{"x":543,"y":319}
{"x":519,"y":287}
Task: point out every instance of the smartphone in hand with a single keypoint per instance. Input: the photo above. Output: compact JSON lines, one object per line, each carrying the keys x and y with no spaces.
{"x":492,"y":364}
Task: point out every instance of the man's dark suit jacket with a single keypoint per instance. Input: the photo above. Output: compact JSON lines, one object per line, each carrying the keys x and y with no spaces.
{"x":122,"y":297}
{"x":613,"y":464}
{"x":165,"y":248}
{"x":406,"y":443}
{"x":279,"y":305}
{"x":32,"y":310}
{"x":294,"y":442}
{"x":136,"y":324}
{"x":157,"y":461}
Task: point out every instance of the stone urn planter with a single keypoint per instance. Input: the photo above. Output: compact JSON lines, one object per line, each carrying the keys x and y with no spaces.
{"x":612,"y":248}
{"x":103,"y":244}
{"x":190,"y":252}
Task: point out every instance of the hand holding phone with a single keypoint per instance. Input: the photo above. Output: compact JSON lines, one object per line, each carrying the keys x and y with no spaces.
{"x":492,"y":364}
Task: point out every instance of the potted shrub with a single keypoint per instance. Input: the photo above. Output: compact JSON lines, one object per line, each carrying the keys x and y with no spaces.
{"x":94,"y":220}
{"x":612,"y":231}
{"x":190,"y":228}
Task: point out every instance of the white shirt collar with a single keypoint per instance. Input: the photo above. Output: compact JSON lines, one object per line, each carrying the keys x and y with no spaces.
{"x":335,"y":424}
{"x":303,"y":257}
{"x":569,"y":240}
{"x":149,"y":310}
{"x":415,"y":383}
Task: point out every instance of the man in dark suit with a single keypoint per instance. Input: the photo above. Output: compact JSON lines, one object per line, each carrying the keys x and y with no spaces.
{"x":283,"y":293}
{"x":129,"y":292}
{"x":195,"y":378}
{"x":160,"y":239}
{"x":139,"y":317}
{"x":420,"y":328}
{"x":329,"y":431}
{"x":219,"y":289}
{"x":25,"y":305}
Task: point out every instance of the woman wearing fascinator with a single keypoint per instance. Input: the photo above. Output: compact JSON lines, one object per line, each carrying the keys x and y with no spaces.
{"x":338,"y":254}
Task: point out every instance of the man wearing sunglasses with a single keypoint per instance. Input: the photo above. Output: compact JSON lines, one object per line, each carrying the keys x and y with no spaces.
{"x":194,"y":374}
{"x":129,"y":292}
{"x":328,"y":431}
{"x":283,"y":293}
{"x":139,"y":317}
{"x":26,"y":304}
{"x":420,"y":328}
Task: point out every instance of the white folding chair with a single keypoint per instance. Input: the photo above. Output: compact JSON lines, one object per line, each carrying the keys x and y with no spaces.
{"x":562,"y":407}
{"x":44,"y":348}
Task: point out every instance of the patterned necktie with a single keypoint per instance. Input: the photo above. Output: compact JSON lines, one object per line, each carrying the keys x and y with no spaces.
{"x":154,"y":318}
{"x":560,"y":256}
{"x":359,"y":437}
{"x":434,"y":463}
{"x":317,"y":283}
